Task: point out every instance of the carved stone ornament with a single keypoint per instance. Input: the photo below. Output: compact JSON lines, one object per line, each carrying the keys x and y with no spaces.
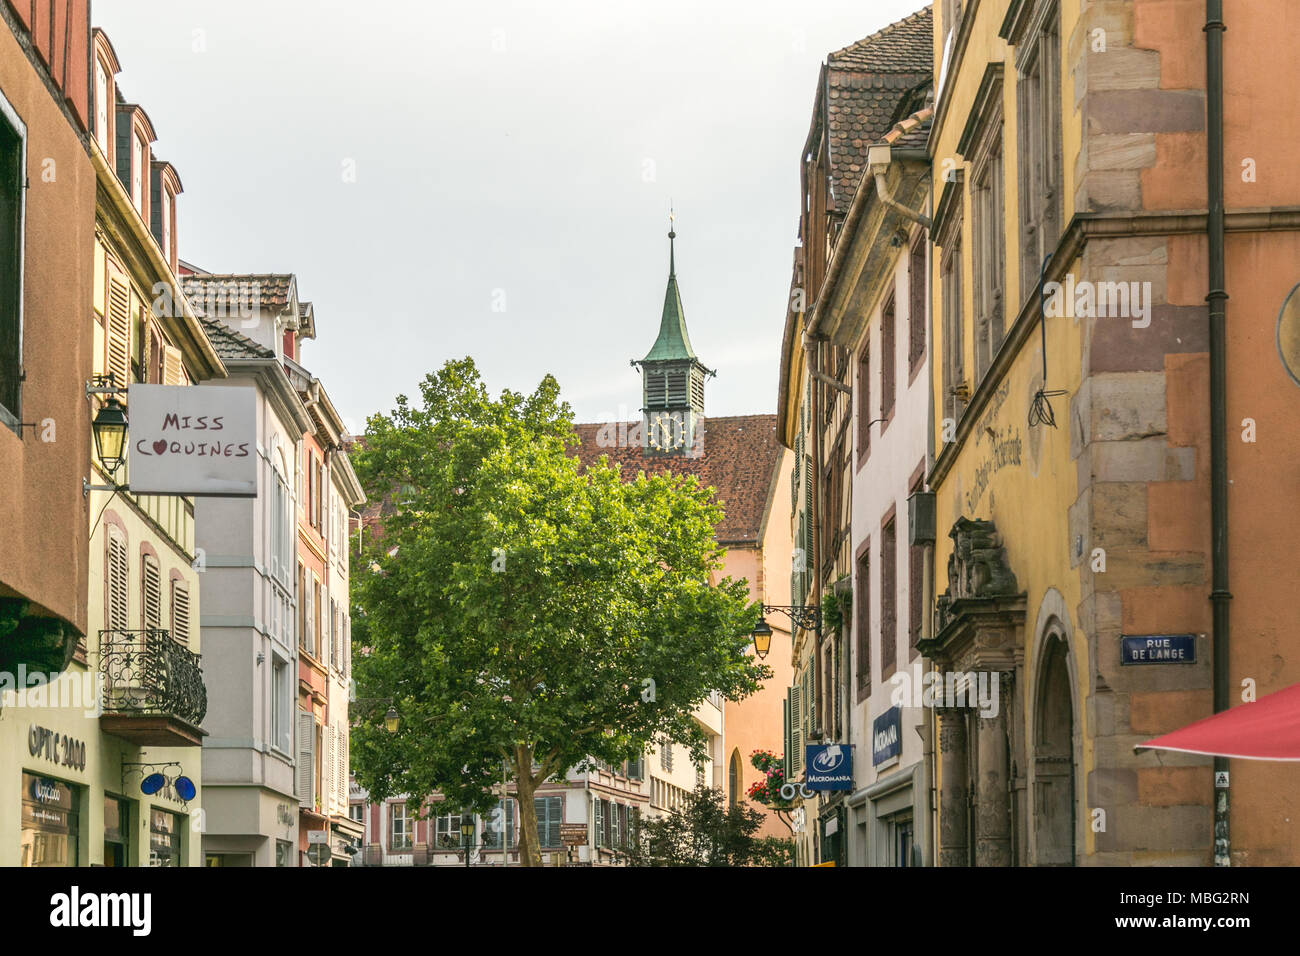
{"x":977,"y":567}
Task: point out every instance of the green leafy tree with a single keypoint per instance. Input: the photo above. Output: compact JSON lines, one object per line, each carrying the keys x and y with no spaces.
{"x":517,"y":608}
{"x":702,"y":832}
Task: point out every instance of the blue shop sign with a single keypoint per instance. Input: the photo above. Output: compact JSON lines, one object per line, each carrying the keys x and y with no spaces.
{"x":887,"y":736}
{"x":1158,"y":649}
{"x":829,"y":767}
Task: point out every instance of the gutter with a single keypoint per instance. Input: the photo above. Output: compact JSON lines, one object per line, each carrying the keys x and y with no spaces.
{"x":1217,"y":298}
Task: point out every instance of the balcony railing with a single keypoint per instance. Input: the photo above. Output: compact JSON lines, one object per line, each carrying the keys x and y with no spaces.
{"x":153,"y":688}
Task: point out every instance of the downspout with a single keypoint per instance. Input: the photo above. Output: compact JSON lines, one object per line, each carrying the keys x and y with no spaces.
{"x":1217,"y":298}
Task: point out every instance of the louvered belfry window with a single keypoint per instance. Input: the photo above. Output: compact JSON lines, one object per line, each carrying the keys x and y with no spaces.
{"x":677,"y":387}
{"x":656,"y":388}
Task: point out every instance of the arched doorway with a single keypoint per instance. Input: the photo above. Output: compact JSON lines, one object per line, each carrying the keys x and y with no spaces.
{"x":1054,"y":775}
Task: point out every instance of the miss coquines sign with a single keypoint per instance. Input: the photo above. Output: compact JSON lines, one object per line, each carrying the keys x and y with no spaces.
{"x":192,"y":440}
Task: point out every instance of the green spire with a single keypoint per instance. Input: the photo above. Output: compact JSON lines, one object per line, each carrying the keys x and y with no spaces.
{"x":673,"y":341}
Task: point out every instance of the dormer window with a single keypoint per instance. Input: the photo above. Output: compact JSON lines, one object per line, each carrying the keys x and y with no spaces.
{"x":101,"y":107}
{"x":164,"y":186}
{"x":138,"y":153}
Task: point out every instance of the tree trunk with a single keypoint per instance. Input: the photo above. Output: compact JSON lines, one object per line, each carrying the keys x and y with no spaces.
{"x":529,"y":852}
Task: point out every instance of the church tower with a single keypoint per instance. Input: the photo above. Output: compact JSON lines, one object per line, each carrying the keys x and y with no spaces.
{"x":672,"y":385}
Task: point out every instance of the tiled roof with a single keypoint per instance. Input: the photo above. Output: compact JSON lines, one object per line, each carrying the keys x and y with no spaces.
{"x":230,"y":344}
{"x":864,"y":84}
{"x":739,"y":458}
{"x":272,"y":292}
{"x":906,"y":46}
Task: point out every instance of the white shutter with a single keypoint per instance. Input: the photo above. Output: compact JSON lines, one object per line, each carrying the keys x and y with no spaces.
{"x":305,"y":771}
{"x":173,"y":371}
{"x":118,"y":360}
{"x":327,"y":770}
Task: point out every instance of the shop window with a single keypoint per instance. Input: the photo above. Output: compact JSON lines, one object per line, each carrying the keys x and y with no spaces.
{"x":50,"y":823}
{"x":164,"y":839}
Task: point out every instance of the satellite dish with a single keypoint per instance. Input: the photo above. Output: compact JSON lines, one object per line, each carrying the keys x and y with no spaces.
{"x":152,"y":784}
{"x":185,"y":788}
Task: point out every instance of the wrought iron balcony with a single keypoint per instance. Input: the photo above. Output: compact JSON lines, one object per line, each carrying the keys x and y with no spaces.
{"x":153,"y":688}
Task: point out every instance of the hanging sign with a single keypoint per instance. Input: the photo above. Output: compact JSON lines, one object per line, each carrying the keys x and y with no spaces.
{"x":192,"y":440}
{"x":829,"y":767}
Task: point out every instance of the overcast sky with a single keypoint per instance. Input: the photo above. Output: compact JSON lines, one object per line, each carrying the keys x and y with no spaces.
{"x":513,"y":165}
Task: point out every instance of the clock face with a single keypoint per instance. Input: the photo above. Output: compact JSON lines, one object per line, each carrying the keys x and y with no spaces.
{"x":667,"y":431}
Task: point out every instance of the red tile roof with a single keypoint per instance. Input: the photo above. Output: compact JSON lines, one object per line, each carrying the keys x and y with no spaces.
{"x":739,"y":457}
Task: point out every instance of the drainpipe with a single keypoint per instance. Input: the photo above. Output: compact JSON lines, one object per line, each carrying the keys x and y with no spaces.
{"x":1219,"y":596}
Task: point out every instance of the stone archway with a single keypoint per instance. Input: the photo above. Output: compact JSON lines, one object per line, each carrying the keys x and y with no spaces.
{"x":1054,"y":770}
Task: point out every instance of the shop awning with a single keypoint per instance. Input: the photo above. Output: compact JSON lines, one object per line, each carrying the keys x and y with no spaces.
{"x":1268,"y":729}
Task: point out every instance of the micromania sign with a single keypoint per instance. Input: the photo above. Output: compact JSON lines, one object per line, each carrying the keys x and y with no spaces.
{"x":192,"y":440}
{"x":829,"y":767}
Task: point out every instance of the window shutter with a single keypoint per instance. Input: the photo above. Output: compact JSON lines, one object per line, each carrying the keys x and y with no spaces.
{"x":600,"y":819}
{"x":796,"y":730}
{"x":152,"y":594}
{"x":172,"y":366}
{"x":810,"y":721}
{"x":306,"y":752}
{"x":118,"y":569}
{"x":181,"y":612}
{"x":118,"y":358}
{"x":327,"y":768}
{"x":786,"y":745}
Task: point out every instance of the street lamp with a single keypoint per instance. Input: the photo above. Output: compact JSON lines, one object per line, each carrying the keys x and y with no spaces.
{"x":467,"y":835}
{"x":391,"y":717}
{"x":807,"y":616}
{"x":110,"y":435}
{"x":762,"y":637}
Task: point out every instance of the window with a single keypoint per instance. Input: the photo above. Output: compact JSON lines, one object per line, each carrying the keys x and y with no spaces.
{"x":954,"y":364}
{"x":501,"y":819}
{"x":666,"y":755}
{"x":399,"y":827}
{"x":317,"y":608}
{"x":180,"y":612}
{"x":613,"y":833}
{"x":447,"y":830}
{"x":281,"y":697}
{"x":281,"y":529}
{"x":139,"y":160}
{"x":888,"y":598}
{"x":734,"y":779}
{"x":887,"y":358}
{"x":1038,"y":104}
{"x":598,"y":810}
{"x":634,"y":769}
{"x":101,"y":108}
{"x":916,"y":281}
{"x":283,"y":853}
{"x":862,"y":613}
{"x":164,"y":839}
{"x":334,"y":634}
{"x":699,"y":775}
{"x":988,"y":234}
{"x":550,"y":814}
{"x":13,"y":167}
{"x":357,"y":812}
{"x":864,"y":402}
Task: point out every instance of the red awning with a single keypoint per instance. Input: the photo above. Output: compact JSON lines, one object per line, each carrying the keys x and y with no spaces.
{"x":1268,"y":729}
